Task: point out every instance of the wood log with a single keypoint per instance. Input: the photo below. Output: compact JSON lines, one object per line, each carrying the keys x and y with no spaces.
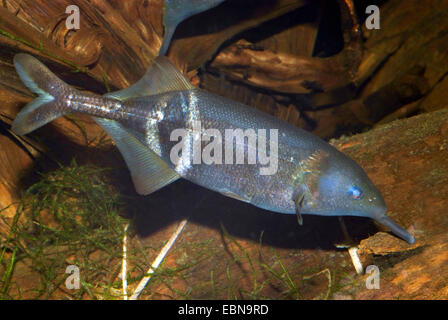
{"x":296,"y":72}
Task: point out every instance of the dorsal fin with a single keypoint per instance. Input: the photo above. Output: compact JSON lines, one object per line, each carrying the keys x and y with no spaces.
{"x":162,"y":76}
{"x":149,"y":173}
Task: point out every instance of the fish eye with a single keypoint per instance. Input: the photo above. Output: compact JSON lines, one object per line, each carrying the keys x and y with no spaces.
{"x":355,"y":193}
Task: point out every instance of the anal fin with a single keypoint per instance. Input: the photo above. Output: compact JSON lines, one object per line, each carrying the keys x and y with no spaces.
{"x":149,"y":173}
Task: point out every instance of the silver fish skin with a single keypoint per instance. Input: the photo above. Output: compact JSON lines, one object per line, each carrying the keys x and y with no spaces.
{"x":311,"y":174}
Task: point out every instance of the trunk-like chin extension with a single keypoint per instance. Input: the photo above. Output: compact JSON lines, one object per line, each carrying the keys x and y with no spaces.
{"x":396,"y":229}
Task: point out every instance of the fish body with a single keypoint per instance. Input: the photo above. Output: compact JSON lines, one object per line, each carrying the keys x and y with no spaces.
{"x":303,"y":174}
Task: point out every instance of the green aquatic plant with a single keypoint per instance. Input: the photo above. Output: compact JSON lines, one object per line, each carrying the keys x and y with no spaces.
{"x":70,"y":216}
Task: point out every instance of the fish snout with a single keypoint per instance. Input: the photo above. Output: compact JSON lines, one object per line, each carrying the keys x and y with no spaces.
{"x":394,"y":227}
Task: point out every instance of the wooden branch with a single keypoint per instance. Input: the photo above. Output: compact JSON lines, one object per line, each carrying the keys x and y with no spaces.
{"x":198,"y":39}
{"x":280,"y":72}
{"x":107,"y":45}
{"x":295,"y":74}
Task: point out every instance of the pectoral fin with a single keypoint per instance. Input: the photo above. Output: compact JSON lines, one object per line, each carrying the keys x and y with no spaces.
{"x":299,"y":203}
{"x":149,"y":173}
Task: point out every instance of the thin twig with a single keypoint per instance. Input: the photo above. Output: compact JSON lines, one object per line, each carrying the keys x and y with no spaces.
{"x":158,"y":260}
{"x":328,"y":273}
{"x":124,"y":279}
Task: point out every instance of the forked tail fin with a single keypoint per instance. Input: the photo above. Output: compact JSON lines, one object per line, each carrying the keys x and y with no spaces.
{"x":49,"y":105}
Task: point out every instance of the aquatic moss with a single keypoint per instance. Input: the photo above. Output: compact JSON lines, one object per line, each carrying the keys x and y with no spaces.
{"x":69,"y":217}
